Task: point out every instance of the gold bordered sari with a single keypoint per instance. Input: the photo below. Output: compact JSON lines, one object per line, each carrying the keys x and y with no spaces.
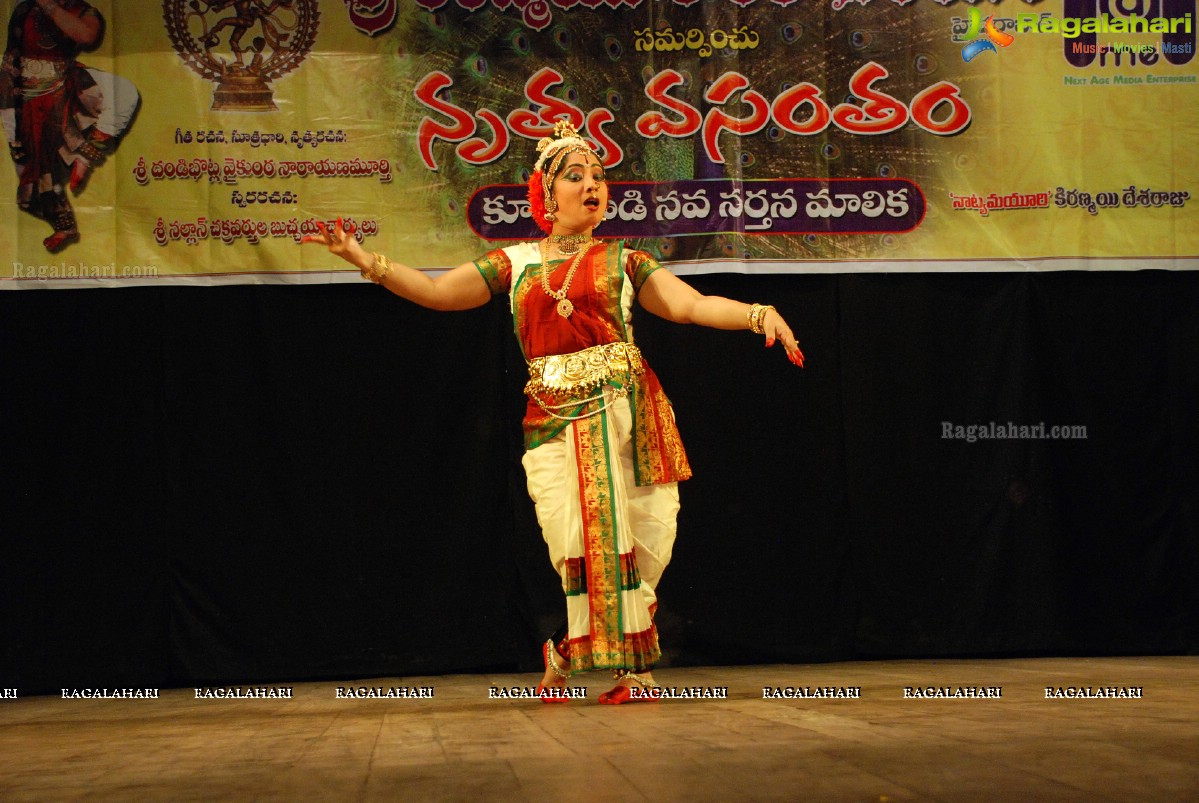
{"x":602,"y":467}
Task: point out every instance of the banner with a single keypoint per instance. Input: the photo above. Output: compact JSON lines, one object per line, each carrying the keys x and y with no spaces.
{"x":197,"y":141}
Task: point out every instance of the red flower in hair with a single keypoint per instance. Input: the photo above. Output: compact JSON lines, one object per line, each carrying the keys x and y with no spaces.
{"x":537,"y":203}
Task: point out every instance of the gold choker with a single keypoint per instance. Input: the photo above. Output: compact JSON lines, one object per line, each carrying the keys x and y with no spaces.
{"x":569,"y":244}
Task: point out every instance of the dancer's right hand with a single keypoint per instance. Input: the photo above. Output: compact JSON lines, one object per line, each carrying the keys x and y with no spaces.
{"x":339,"y":241}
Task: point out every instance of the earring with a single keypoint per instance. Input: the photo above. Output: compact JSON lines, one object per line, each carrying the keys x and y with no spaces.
{"x":551,"y":217}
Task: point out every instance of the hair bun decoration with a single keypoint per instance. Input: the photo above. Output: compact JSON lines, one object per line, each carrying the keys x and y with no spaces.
{"x":563,"y":129}
{"x":564,"y":139}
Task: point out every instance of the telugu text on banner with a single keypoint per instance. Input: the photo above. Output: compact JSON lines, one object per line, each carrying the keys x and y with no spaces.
{"x":191,"y":141}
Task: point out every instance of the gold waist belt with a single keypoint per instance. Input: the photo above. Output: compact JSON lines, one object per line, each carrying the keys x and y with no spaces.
{"x":572,"y":375}
{"x":42,"y":76}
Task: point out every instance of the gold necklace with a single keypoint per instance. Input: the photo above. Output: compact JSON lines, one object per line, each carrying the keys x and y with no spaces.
{"x":569,"y":244}
{"x":565,"y":307}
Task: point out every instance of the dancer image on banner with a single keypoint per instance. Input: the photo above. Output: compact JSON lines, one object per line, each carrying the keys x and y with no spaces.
{"x":62,"y":119}
{"x":603,"y":454}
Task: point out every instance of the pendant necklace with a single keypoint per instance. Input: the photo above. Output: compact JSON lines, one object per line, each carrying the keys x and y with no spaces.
{"x":564,"y":307}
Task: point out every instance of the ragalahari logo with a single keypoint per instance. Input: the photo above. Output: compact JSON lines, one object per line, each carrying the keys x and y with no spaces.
{"x":994,"y":36}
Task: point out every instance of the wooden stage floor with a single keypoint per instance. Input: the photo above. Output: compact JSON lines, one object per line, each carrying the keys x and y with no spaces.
{"x":920,"y":730}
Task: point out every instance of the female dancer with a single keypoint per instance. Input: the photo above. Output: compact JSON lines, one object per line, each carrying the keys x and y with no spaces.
{"x":603,"y":456}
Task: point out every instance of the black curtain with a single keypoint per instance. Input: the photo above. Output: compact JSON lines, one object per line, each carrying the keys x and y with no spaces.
{"x":260,"y":483}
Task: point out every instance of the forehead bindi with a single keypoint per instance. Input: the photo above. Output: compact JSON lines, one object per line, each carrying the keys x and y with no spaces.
{"x":579,"y":160}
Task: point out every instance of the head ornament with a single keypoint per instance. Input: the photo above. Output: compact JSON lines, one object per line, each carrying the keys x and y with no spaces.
{"x":564,"y":140}
{"x":552,"y":150}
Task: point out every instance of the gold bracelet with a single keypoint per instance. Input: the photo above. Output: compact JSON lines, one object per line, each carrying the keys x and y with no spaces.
{"x":762,"y":318}
{"x":378,"y":269}
{"x":757,"y":318}
{"x":755,"y":312}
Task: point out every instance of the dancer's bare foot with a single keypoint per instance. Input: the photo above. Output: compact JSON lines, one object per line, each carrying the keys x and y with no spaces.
{"x":557,"y":670}
{"x":632,"y":688}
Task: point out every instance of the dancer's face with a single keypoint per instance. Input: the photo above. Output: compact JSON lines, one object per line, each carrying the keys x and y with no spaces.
{"x":581,"y":193}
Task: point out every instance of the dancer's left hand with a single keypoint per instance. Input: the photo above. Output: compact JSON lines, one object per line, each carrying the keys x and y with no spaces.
{"x":776,"y":329}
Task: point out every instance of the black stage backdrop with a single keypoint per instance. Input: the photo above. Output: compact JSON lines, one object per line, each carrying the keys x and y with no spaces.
{"x":261,"y":483}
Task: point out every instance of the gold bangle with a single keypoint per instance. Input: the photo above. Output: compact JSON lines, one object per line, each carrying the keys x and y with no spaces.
{"x":378,"y":269}
{"x":755,"y":314}
{"x":762,"y":318}
{"x":757,"y":318}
